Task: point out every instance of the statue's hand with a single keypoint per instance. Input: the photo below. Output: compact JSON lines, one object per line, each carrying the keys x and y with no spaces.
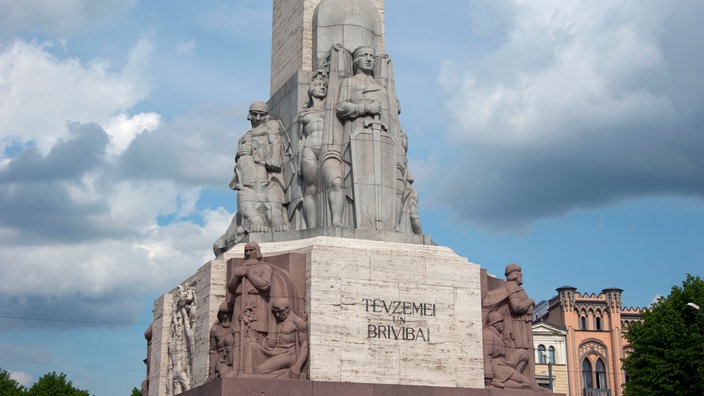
{"x":271,"y":343}
{"x":241,"y":271}
{"x":373,"y":108}
{"x":245,"y":149}
{"x":273,"y":166}
{"x":294,"y":372}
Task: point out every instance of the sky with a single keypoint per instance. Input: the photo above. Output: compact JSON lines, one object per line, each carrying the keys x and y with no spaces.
{"x":562,"y":135}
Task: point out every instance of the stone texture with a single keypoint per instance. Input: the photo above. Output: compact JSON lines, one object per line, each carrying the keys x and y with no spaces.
{"x":209,"y":283}
{"x":292,"y":39}
{"x":235,"y":386}
{"x":343,"y":272}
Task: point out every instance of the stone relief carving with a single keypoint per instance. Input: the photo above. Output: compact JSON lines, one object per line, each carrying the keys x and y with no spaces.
{"x":148,"y":336}
{"x":508,"y":318}
{"x":181,"y":343}
{"x":507,"y":365}
{"x":283,"y":352}
{"x":223,"y":338}
{"x":258,"y":332}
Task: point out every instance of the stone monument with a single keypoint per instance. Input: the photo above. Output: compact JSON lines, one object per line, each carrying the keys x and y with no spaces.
{"x":324,"y":282}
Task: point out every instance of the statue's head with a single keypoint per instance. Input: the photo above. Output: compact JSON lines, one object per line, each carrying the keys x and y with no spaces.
{"x":258,"y":113}
{"x":495,"y":318}
{"x":318,"y":88}
{"x":363,"y":59}
{"x":513,"y":273}
{"x":280,"y":308}
{"x":252,"y":251}
{"x":224,"y":312}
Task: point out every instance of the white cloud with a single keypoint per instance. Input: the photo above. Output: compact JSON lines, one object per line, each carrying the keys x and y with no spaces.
{"x":39,"y":93}
{"x":22,"y":378}
{"x":655,"y":299}
{"x":564,"y":65}
{"x":185,"y":48}
{"x":579,"y":105}
{"x":154,"y":258}
{"x":123,"y":129}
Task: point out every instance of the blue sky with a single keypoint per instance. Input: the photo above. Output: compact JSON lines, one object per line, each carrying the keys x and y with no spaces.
{"x":565,"y":136}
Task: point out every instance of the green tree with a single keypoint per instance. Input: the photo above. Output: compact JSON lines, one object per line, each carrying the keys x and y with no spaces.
{"x":136,"y":392}
{"x":52,"y":384}
{"x":8,"y":386}
{"x":668,"y":356}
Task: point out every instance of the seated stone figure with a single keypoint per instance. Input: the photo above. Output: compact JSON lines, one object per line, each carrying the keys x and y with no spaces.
{"x":507,"y":364}
{"x":284,"y":352}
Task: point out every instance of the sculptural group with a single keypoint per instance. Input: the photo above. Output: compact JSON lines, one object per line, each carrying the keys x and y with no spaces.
{"x":507,"y":334}
{"x":347,"y":166}
{"x":257,"y":332}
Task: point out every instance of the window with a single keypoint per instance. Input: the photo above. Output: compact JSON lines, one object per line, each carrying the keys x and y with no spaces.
{"x":583,"y":322}
{"x":551,"y":354}
{"x":594,"y":379}
{"x":587,"y":374}
{"x":600,"y":374}
{"x":541,"y":354}
{"x":597,"y":323}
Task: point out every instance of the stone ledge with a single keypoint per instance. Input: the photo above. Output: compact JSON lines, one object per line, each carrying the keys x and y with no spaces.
{"x":275,"y":387}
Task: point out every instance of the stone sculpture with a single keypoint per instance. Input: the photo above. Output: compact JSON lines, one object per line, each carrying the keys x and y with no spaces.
{"x":407,"y":198}
{"x":509,"y":302}
{"x":520,"y":308}
{"x":259,"y":179}
{"x":366,"y":106}
{"x":250,"y":285}
{"x":283,"y":352}
{"x":349,"y":152}
{"x":148,"y":336}
{"x":258,"y":332}
{"x":311,"y":126}
{"x":223,"y":337}
{"x":180,"y":345}
{"x":258,"y":176}
{"x":507,"y":365}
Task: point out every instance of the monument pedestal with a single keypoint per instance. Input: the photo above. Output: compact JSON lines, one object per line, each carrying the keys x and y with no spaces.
{"x":234,"y":386}
{"x":378,"y":313}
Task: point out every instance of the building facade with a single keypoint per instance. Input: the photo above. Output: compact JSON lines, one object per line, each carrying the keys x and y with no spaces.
{"x":549,"y":341}
{"x":595,"y":326}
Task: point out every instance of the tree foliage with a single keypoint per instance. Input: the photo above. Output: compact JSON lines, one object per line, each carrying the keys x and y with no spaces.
{"x":136,"y":392}
{"x":668,"y":356}
{"x":52,"y":384}
{"x":8,"y":386}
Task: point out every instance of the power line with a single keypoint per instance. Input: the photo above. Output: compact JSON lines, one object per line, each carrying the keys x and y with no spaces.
{"x":103,"y":322}
{"x":70,"y":365}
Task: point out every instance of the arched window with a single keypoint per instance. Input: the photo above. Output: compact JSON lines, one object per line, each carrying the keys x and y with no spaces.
{"x":541,"y":354}
{"x":597,"y":323}
{"x":587,"y":374}
{"x":551,"y":354}
{"x":583,"y":322}
{"x":600,"y":374}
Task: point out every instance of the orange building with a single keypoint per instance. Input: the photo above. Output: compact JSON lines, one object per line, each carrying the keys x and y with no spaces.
{"x":595,"y":340}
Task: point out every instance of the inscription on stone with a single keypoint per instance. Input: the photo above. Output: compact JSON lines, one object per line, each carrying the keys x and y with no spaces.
{"x":398,"y":311}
